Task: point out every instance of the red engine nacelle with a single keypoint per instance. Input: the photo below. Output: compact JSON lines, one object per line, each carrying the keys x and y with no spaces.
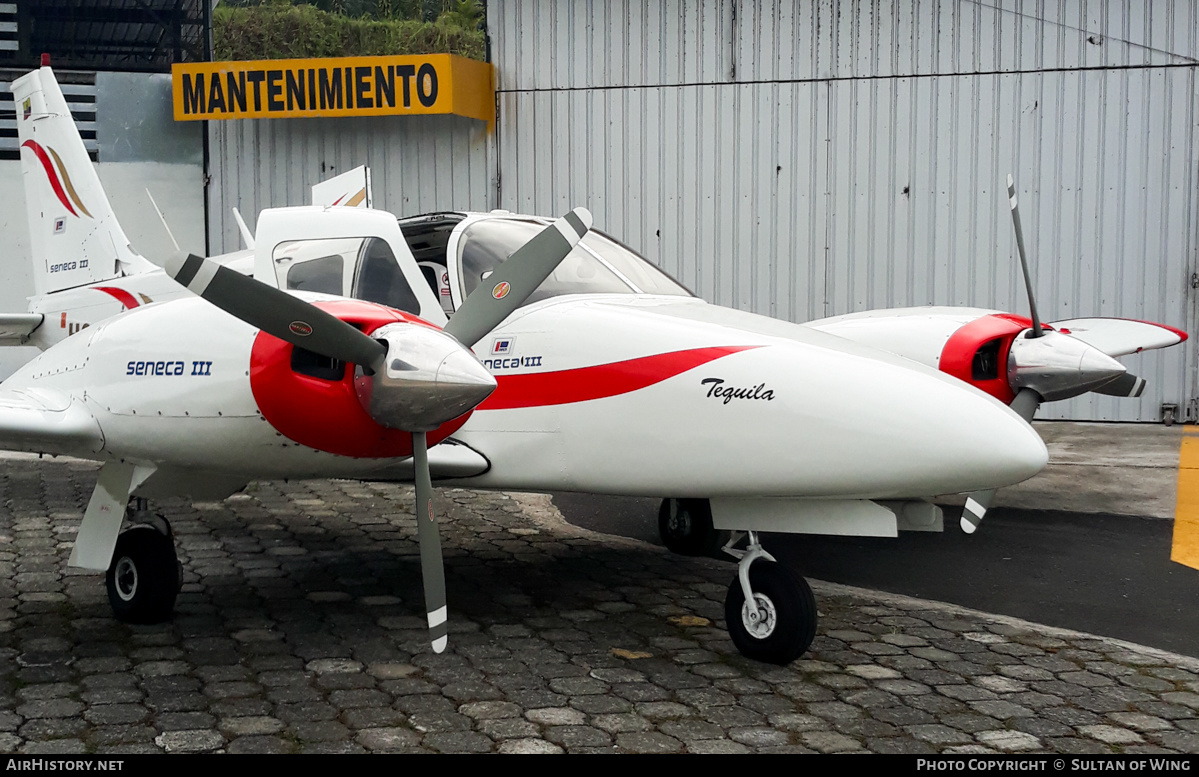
{"x":312,"y":400}
{"x":978,"y":353}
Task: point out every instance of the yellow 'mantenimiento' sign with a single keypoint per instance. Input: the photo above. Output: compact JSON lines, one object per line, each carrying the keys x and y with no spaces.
{"x":347,"y":86}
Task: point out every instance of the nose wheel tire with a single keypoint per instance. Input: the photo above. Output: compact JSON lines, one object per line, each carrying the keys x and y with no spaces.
{"x":685,"y":526}
{"x":780,"y":624}
{"x":144,"y":576}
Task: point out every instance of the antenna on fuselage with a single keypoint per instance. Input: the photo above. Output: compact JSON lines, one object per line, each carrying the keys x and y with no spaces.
{"x":162,"y":219}
{"x":246,"y":234}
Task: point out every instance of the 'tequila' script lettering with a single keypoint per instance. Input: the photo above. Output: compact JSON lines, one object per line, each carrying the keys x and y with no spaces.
{"x":729,"y":393}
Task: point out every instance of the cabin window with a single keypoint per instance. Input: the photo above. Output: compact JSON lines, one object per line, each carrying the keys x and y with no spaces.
{"x":380,"y":279}
{"x":360,"y":267}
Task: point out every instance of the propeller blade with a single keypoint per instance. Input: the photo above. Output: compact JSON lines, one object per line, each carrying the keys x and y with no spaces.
{"x":275,"y":312}
{"x":432,"y":569}
{"x":514,"y":280}
{"x":1032,"y":305}
{"x":977,"y":503}
{"x":975,"y":510}
{"x":1127,"y":385}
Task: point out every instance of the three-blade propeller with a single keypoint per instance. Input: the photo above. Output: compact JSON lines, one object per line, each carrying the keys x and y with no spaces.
{"x":412,"y":378}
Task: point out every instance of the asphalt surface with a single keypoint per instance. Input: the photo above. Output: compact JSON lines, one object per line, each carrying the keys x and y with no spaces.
{"x":1106,"y":574}
{"x":300,"y":628}
{"x":1084,"y":545}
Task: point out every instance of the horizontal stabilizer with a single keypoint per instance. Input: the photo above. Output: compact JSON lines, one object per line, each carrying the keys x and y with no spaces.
{"x":1121,"y":336}
{"x":15,"y":328}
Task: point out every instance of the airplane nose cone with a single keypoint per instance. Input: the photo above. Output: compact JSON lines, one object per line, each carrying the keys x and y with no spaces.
{"x":1000,"y":445}
{"x":1058,"y":366}
{"x":971,"y":440}
{"x":464,"y":377}
{"x":898,"y":430}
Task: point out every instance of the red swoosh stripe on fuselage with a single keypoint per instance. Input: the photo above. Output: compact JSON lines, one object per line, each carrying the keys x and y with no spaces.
{"x":120,"y":295}
{"x":55,"y":184}
{"x":561,"y":387}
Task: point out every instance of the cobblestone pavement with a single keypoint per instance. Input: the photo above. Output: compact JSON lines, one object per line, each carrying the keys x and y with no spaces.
{"x":300,"y":628}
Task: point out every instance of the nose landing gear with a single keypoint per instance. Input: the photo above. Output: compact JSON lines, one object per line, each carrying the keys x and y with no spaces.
{"x":769,"y":610}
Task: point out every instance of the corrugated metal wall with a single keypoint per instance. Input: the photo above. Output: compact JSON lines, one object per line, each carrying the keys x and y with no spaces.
{"x":418,"y":165}
{"x":804,"y":159}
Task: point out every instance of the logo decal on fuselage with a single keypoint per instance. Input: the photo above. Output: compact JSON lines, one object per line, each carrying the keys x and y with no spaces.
{"x":515,"y":362}
{"x":718,"y":390}
{"x":167,"y":368}
{"x":60,"y":181}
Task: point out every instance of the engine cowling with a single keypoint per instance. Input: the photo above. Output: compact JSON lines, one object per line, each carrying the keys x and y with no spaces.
{"x":313,"y":400}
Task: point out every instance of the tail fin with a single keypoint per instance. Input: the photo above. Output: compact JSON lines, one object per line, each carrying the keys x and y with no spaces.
{"x":74,"y":235}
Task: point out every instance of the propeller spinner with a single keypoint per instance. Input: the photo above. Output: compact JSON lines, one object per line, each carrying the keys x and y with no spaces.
{"x":409,"y":376}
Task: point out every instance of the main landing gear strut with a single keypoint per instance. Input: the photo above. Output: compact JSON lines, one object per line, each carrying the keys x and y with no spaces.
{"x":145,"y":574}
{"x":769,"y":610}
{"x":685,"y":526}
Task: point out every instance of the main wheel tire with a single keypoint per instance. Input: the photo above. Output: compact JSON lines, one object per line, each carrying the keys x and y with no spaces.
{"x":685,"y":526}
{"x":144,"y":577}
{"x":789,"y":609}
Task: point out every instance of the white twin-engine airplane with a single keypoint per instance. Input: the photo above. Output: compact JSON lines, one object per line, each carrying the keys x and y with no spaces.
{"x":596,"y":372}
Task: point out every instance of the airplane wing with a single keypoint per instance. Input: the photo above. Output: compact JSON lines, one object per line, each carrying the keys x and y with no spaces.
{"x":15,"y":328}
{"x":1121,"y":336}
{"x":38,"y":420}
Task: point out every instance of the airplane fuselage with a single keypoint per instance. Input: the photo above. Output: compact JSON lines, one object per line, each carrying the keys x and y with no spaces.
{"x":629,"y":395}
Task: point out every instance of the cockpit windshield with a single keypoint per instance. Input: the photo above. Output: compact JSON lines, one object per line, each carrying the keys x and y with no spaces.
{"x":598,"y":265}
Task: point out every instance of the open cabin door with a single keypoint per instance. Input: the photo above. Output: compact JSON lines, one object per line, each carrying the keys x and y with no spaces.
{"x":351,"y":252}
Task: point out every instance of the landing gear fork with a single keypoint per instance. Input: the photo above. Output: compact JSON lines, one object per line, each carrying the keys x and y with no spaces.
{"x":769,"y":610}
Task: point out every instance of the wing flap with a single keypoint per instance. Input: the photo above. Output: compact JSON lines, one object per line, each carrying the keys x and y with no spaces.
{"x":1121,"y":336}
{"x":47,"y":421}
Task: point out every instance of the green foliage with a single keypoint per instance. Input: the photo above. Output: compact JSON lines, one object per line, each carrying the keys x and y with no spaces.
{"x":466,"y":14}
{"x":276,"y":29}
{"x":418,"y":10}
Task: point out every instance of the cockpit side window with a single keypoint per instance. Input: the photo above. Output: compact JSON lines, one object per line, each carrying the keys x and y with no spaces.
{"x":380,"y":279}
{"x":321,"y":275}
{"x":358,"y":267}
{"x":316,"y":265}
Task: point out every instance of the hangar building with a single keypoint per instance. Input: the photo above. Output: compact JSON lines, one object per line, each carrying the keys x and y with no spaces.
{"x":806,"y":159}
